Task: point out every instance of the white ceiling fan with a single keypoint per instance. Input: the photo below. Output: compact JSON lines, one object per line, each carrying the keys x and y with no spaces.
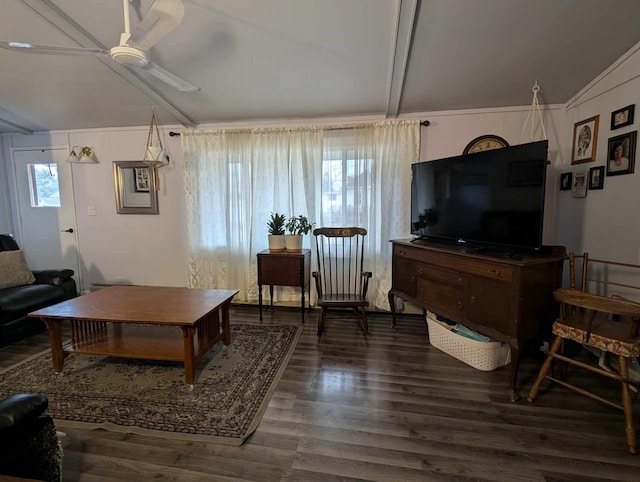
{"x":162,"y":18}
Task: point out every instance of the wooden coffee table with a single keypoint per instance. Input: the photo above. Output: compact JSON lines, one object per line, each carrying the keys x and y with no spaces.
{"x":140,"y":322}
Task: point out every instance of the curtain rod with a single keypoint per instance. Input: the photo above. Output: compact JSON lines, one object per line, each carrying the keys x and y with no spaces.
{"x":422,"y":123}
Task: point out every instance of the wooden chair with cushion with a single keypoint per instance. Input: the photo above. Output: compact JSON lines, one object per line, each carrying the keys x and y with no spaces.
{"x":602,"y":319}
{"x":340,"y":280}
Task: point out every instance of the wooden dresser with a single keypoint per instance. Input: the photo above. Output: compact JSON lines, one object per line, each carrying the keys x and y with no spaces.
{"x":503,"y":296}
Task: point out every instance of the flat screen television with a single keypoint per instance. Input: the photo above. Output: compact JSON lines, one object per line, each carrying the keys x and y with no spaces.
{"x":491,"y":198}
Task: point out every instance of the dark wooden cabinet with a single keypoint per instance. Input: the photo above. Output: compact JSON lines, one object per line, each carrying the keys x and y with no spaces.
{"x":503,"y":296}
{"x":284,"y":269}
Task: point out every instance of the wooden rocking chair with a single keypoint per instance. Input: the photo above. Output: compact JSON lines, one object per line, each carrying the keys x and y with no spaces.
{"x":340,"y":280}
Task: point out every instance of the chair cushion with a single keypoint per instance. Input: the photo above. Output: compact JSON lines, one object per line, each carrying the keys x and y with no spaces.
{"x":14,"y":270}
{"x":607,"y":335}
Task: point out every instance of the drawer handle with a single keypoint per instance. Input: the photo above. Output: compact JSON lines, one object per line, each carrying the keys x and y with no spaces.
{"x":413,"y":278}
{"x":459,"y":281}
{"x":459,"y":304}
{"x":472,"y":299}
{"x":402,"y":253}
{"x":421,"y":291}
{"x":421,"y":271}
{"x":494,"y":272}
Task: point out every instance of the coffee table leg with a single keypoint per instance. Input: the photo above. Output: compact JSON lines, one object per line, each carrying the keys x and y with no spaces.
{"x":55,"y":336}
{"x":189,"y":364}
{"x":226,"y":329}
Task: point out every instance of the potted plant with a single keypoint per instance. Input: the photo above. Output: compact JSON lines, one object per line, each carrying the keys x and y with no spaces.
{"x":276,"y":232}
{"x":296,"y":227}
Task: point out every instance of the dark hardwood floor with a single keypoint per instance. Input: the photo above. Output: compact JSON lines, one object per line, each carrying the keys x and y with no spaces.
{"x":388,"y":407}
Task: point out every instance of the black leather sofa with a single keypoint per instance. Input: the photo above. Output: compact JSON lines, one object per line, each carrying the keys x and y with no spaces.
{"x":29,"y":440}
{"x":50,"y":287}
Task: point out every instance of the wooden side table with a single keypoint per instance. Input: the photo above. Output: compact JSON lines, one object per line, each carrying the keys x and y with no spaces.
{"x":284,"y":269}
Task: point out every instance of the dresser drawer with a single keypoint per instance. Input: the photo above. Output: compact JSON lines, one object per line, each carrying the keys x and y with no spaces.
{"x":455,"y":279}
{"x":494,"y":271}
{"x":446,"y":300}
{"x":404,"y":276}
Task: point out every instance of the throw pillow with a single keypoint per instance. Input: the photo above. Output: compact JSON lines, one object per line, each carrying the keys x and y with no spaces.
{"x":14,"y":270}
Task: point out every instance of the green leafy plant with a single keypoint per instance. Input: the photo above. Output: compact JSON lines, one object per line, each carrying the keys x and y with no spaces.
{"x":299,"y":225}
{"x":276,"y":224}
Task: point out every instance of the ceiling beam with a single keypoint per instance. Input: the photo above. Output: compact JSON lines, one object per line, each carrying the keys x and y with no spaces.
{"x":64,"y":23}
{"x":405,"y":25}
{"x":15,"y":127}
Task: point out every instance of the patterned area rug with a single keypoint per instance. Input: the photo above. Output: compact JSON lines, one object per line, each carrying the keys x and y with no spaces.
{"x":232,"y":389}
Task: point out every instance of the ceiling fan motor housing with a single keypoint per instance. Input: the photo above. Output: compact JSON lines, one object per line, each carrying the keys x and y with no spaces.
{"x":126,"y":55}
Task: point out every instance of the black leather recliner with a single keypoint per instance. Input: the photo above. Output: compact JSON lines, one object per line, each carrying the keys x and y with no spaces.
{"x":51,"y":287}
{"x":28,"y":439}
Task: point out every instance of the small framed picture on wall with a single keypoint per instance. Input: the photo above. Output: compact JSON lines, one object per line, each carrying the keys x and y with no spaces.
{"x":585,"y":139}
{"x":622,"y":117}
{"x":566,"y":179}
{"x":580,"y":184}
{"x":596,"y":178}
{"x":621,"y":154}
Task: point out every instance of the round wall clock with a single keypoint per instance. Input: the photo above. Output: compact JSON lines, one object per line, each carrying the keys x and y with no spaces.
{"x":485,"y":143}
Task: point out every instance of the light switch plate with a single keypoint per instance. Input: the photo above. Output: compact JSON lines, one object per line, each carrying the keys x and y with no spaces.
{"x":91,"y":211}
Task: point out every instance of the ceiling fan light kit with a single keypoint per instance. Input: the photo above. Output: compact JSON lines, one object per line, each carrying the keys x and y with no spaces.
{"x":163,"y":16}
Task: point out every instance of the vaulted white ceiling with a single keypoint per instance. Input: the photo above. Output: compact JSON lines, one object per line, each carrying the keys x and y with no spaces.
{"x":284,"y":59}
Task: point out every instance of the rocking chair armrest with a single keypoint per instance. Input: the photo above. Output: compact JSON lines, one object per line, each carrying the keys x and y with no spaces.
{"x":318,"y":279}
{"x":365,"y":282}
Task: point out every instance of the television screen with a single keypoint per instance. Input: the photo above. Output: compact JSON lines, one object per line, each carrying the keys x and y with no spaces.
{"x":492,"y":197}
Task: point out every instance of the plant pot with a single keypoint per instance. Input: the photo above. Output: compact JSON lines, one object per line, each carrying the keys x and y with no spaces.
{"x":293,"y":243}
{"x":276,"y":243}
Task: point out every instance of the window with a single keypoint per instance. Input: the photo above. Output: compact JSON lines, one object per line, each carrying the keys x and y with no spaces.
{"x":43,"y":184}
{"x":346,"y":187}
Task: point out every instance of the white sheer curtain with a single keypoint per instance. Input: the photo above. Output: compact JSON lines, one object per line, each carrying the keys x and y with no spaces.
{"x":374,"y":162}
{"x":337,"y":176}
{"x":233,"y":181}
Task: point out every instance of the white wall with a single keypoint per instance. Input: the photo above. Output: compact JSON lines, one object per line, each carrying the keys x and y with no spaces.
{"x":149,"y":249}
{"x":607,"y":222}
{"x":141,"y":249}
{"x":6,"y":225}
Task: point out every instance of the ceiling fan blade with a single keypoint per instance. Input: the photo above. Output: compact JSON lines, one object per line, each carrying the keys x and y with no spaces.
{"x":162,"y":18}
{"x":48,"y":49}
{"x":169,"y":78}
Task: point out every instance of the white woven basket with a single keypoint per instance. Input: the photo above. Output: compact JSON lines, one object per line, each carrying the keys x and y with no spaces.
{"x":483,"y":355}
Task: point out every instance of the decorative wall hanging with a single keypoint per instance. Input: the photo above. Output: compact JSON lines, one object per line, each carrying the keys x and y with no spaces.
{"x":621,"y":154}
{"x":596,"y":178}
{"x":622,"y":117}
{"x":566,"y":180}
{"x":580,"y":184}
{"x":155,"y":156}
{"x":585,"y":140}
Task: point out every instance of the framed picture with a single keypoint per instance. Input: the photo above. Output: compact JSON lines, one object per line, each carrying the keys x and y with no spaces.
{"x":585,"y":139}
{"x":622,"y":117}
{"x":141,"y":179}
{"x":580,"y":180}
{"x":596,"y":178}
{"x":565,"y":181}
{"x":621,"y":154}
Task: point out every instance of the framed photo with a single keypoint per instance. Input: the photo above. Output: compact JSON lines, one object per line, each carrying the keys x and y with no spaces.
{"x":596,"y":178}
{"x":621,"y":154}
{"x":141,"y":179}
{"x":622,"y":117}
{"x":585,"y":139}
{"x":580,"y":180}
{"x":566,"y":179}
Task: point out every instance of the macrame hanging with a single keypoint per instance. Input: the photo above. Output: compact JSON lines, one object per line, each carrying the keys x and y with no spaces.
{"x":155,"y":156}
{"x":533,"y":110}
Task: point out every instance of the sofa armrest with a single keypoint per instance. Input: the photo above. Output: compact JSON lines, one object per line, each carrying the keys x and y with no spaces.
{"x":19,"y":409}
{"x":52,"y":276}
